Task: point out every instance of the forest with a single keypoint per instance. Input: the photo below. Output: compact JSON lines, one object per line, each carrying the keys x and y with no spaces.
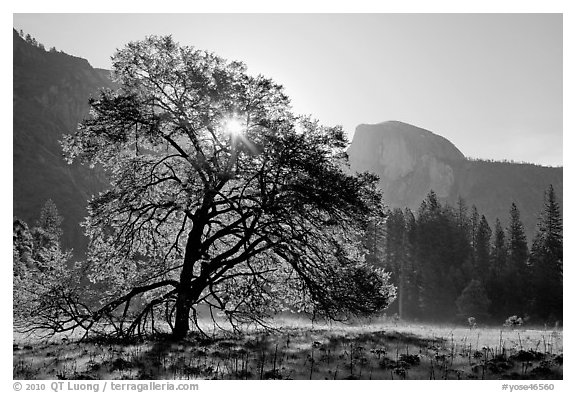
{"x":449,"y":264}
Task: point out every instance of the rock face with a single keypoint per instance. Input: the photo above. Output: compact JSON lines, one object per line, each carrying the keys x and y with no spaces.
{"x":51,"y":92}
{"x":411,"y":161}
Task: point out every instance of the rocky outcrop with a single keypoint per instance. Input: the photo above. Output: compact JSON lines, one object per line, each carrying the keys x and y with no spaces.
{"x":411,"y":161}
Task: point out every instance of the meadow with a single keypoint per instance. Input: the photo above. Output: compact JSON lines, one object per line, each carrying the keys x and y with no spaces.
{"x":298,"y":349}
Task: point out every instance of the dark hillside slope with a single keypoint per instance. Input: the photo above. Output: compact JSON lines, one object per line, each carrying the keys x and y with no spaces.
{"x":50,"y":98}
{"x":493,"y":186}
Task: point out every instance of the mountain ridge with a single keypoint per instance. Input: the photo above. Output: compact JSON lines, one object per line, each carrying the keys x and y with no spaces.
{"x":50,"y":96}
{"x":409,"y":166}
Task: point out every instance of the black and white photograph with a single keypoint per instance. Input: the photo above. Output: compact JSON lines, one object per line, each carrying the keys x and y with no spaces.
{"x":286,"y":196}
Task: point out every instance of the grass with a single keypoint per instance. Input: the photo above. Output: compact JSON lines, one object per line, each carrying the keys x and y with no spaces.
{"x":302,"y":350}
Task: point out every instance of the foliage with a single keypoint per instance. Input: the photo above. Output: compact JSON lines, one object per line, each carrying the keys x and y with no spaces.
{"x":482,"y":250}
{"x":513,"y":321}
{"x":435,"y":257}
{"x":30,"y":40}
{"x":496,"y":284}
{"x":546,"y":260}
{"x":22,"y":247}
{"x":220,"y":196}
{"x":516,"y":273}
{"x":437,"y":260}
{"x":46,"y":290}
{"x":394,"y":255}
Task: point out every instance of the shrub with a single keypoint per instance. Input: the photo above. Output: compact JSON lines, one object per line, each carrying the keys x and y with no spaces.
{"x":513,"y":322}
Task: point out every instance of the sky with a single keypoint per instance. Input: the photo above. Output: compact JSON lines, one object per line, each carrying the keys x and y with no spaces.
{"x":490,"y":83}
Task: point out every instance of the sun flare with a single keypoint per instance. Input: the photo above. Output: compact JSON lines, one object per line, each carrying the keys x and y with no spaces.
{"x":233,"y":126}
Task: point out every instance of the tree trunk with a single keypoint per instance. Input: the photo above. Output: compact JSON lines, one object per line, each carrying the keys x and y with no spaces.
{"x":182,"y":323}
{"x":189,"y":290}
{"x":185,"y":295}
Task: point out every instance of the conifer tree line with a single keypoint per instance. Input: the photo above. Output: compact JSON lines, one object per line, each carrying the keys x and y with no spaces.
{"x":32,"y":41}
{"x":449,"y":264}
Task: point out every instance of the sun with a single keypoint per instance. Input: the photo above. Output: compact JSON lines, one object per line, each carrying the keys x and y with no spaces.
{"x":233,"y":127}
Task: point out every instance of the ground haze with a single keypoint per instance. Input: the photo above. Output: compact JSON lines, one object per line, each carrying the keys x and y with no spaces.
{"x":383,"y":349}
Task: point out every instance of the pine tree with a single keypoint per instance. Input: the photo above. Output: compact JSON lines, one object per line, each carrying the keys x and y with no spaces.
{"x":463,"y":243}
{"x":462,"y":214}
{"x":436,"y":260}
{"x":46,"y":235}
{"x":482,"y":250}
{"x":412,"y":281}
{"x":496,"y":283}
{"x":395,"y":256}
{"x":516,"y":272}
{"x":474,"y":223}
{"x":457,"y":253}
{"x":499,"y":251}
{"x":50,"y":219}
{"x":374,"y":241}
{"x":22,"y":247}
{"x":547,"y":262}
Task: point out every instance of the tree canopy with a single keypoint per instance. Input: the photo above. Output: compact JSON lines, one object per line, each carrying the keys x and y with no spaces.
{"x":220,"y":195}
{"x":45,"y":292}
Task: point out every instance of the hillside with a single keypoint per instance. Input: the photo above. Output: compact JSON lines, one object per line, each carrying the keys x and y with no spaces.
{"x":50,"y":97}
{"x":411,"y":161}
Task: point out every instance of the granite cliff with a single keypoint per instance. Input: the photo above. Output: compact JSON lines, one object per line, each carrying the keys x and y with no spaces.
{"x":411,"y":161}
